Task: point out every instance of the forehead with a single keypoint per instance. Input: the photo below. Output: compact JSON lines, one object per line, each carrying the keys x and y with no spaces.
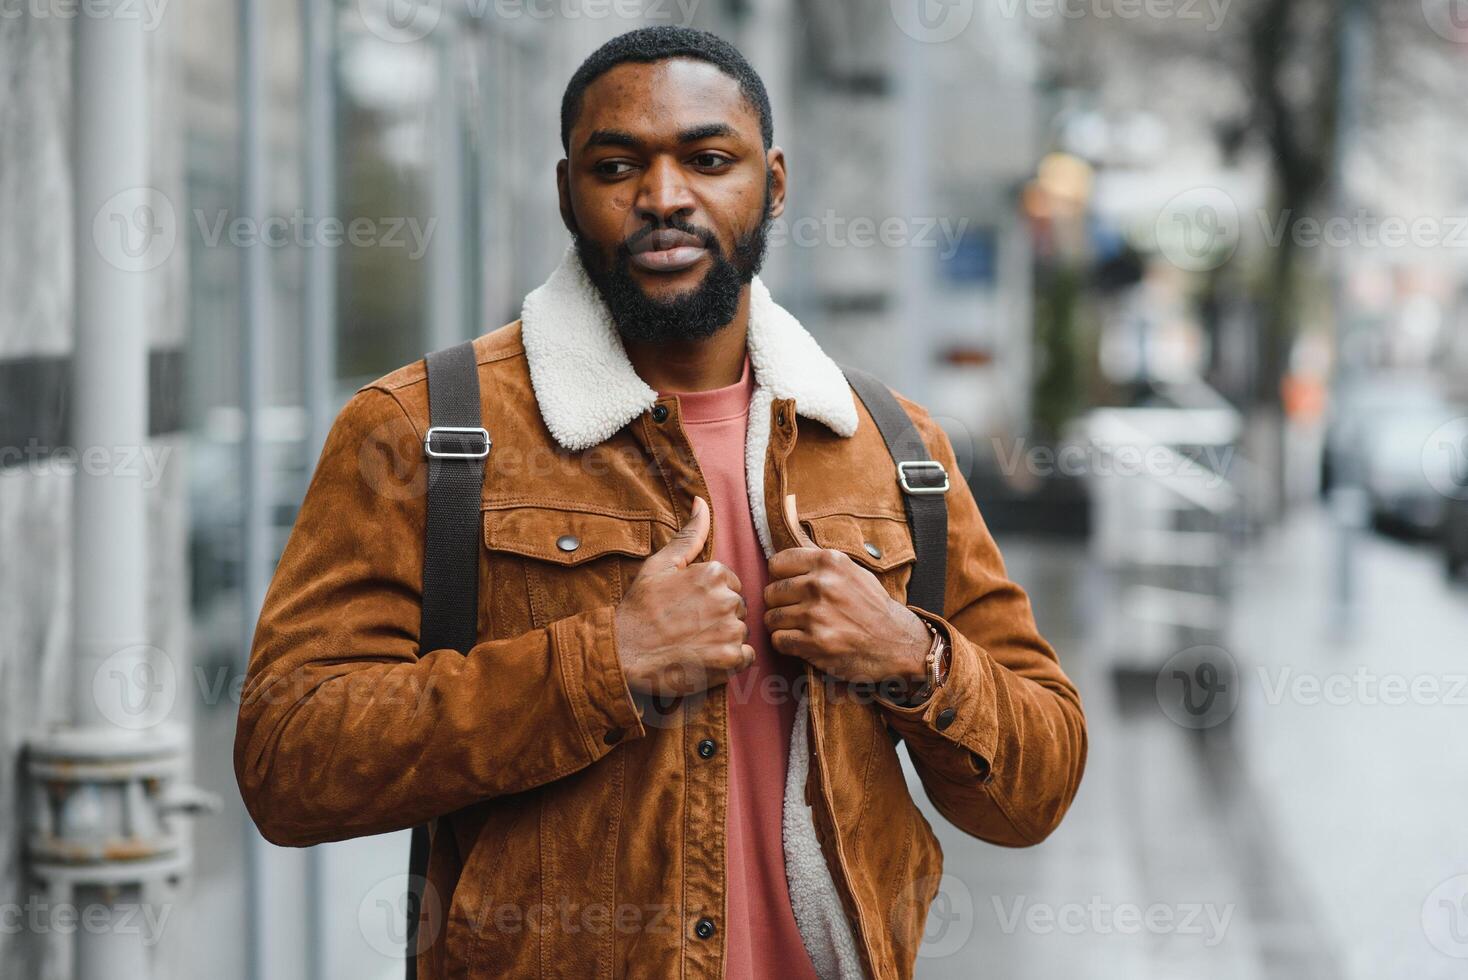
{"x":653,"y":101}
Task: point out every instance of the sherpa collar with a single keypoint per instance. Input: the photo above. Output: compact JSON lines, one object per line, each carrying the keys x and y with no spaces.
{"x":587,"y":388}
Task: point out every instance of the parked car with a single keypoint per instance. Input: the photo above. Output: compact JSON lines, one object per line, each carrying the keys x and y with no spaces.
{"x":1378,"y":438}
{"x":1455,"y":538}
{"x":1452,"y":446}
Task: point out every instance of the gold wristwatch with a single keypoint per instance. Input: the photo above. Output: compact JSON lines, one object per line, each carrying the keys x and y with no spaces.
{"x":935,"y":665}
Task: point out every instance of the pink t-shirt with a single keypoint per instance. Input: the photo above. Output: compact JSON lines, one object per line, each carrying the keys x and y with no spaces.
{"x":761,"y":938}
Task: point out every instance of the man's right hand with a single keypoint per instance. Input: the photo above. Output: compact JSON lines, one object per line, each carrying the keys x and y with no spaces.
{"x":680,"y":624}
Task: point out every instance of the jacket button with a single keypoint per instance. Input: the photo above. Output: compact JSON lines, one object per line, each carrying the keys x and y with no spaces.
{"x":707,"y":747}
{"x":872,"y":549}
{"x":613,"y":736}
{"x":659,"y":413}
{"x":704,"y":927}
{"x":568,"y":542}
{"x":945,"y":718}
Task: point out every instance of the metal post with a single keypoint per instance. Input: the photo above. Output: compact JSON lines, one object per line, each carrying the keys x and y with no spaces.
{"x":111,"y":403}
{"x":318,"y":30}
{"x":105,"y":786}
{"x":1347,"y":503}
{"x":319,"y":33}
{"x":911,"y":175}
{"x":448,"y":278}
{"x":260,"y":952}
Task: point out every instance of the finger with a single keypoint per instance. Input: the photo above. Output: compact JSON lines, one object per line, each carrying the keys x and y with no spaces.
{"x":793,"y":561}
{"x":793,"y":519}
{"x":684,"y":546}
{"x":793,"y":617}
{"x":722,"y":675}
{"x":790,"y":590}
{"x":729,"y":578}
{"x":789,"y":642}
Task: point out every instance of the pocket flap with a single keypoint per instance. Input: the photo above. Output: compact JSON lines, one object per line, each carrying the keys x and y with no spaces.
{"x":879,"y":543}
{"x":565,"y":536}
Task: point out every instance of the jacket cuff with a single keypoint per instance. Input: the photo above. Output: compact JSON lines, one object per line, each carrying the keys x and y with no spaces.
{"x":586,"y":647}
{"x":956,"y":724}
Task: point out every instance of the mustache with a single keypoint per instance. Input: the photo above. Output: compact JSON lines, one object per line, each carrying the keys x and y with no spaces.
{"x":709,"y":239}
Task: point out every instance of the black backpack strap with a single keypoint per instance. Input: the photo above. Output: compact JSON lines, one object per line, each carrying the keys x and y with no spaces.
{"x":924,"y":484}
{"x":456,"y":446}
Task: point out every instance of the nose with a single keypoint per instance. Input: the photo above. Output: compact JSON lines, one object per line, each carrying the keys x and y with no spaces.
{"x":663,"y":194}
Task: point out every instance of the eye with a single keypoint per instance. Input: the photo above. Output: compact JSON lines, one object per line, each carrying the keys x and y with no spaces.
{"x":710,"y":160}
{"x":609,"y":168}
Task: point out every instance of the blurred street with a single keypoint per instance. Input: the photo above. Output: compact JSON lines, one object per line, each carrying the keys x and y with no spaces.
{"x":1261,"y":826}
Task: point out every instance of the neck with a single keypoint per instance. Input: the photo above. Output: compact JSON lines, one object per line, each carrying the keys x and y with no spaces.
{"x":695,"y":365}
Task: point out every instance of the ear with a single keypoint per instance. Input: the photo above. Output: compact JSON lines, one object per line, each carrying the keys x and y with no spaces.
{"x":563,"y":195}
{"x":775,"y":162}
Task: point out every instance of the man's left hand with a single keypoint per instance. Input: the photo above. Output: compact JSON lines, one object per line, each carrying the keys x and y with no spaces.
{"x":826,"y":609}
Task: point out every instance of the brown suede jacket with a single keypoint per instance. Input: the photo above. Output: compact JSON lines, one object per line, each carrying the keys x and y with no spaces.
{"x":581,"y":829}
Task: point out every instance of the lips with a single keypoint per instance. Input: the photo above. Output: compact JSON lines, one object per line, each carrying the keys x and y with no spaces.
{"x":667,"y":250}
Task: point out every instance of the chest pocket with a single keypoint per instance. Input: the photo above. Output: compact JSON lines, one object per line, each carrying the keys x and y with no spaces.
{"x":879,"y":543}
{"x":549,"y":562}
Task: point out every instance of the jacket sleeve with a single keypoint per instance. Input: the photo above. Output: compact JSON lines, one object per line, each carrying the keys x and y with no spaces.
{"x":1001,"y":746}
{"x":346,"y":728}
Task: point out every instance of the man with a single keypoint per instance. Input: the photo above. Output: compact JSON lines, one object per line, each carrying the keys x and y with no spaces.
{"x":673,"y":750}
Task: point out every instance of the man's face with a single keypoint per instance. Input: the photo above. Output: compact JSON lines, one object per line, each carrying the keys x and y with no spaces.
{"x":668,"y":192}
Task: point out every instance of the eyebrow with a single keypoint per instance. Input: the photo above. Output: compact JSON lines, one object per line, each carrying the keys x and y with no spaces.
{"x":618,"y":137}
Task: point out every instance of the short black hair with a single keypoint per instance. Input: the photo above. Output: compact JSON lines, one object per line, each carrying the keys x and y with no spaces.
{"x":649,"y":44}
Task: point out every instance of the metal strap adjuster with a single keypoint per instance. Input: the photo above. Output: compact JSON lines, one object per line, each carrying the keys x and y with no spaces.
{"x":474,"y":453}
{"x":920,"y":465}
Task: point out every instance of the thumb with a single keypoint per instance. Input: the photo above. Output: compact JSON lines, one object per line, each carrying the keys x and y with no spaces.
{"x":686,"y":544}
{"x":802,"y":540}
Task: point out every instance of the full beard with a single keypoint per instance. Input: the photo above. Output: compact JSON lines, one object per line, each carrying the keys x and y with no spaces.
{"x":693,"y":315}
